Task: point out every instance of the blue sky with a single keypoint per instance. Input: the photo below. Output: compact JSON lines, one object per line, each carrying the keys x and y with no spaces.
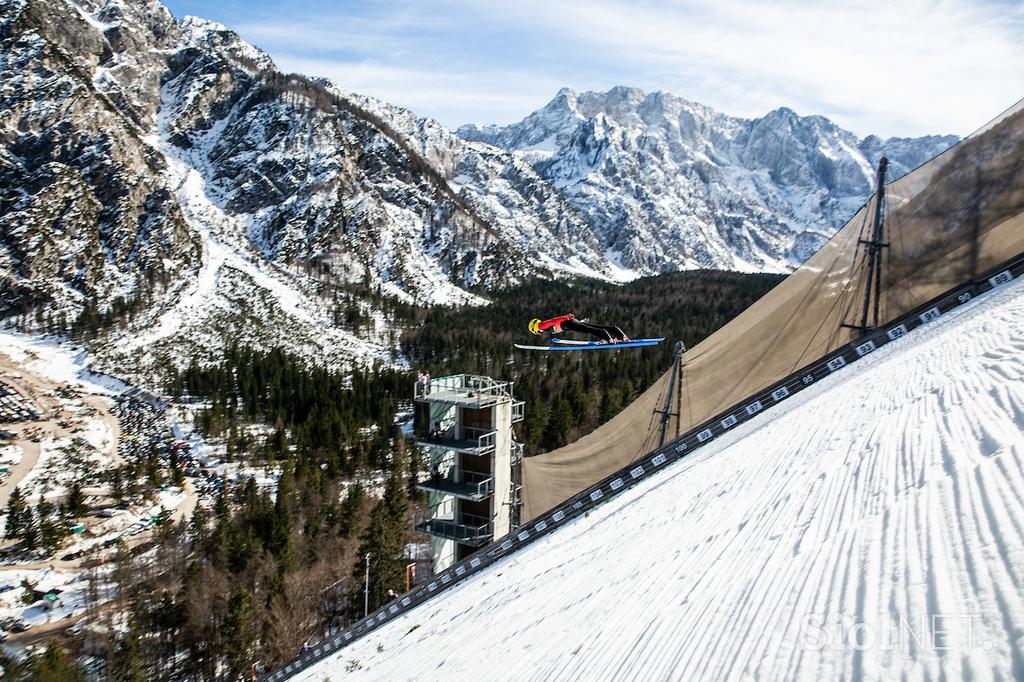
{"x":899,"y":68}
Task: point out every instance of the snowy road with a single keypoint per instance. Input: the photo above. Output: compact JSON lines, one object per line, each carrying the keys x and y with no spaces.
{"x":871,"y":527}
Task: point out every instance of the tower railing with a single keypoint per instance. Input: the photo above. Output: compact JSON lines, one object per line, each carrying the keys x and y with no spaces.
{"x":517,"y":453}
{"x":468,"y":485}
{"x":463,"y":387}
{"x":466,"y":528}
{"x":474,"y":441}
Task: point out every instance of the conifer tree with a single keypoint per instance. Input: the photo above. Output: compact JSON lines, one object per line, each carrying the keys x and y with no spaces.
{"x":350,"y":509}
{"x":16,"y":511}
{"x":197,"y":525}
{"x":153,"y":476}
{"x":54,"y":666}
{"x":384,"y":542}
{"x":238,"y":631}
{"x":75,"y":503}
{"x":29,"y":531}
{"x":117,"y":485}
{"x":51,"y":533}
{"x":177,"y":477}
{"x":129,"y":665}
{"x":556,"y":432}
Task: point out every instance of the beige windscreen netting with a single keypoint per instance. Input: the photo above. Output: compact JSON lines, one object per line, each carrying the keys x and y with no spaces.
{"x":956,"y":216}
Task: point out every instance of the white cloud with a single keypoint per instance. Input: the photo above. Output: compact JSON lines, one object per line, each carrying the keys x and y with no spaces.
{"x":899,"y":68}
{"x":904,"y":68}
{"x":451,"y":97}
{"x":388,"y":34}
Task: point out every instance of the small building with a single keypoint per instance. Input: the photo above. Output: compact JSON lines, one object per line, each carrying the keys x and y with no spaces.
{"x":52,"y":600}
{"x":474,"y":464}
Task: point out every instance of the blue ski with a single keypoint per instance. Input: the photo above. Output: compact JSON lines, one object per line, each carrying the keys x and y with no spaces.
{"x":570,"y":342}
{"x":591,"y":345}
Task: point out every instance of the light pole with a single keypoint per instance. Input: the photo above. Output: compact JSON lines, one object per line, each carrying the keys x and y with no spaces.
{"x":366,"y":588}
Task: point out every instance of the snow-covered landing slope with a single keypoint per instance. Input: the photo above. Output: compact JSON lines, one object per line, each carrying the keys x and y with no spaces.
{"x":872,"y":527}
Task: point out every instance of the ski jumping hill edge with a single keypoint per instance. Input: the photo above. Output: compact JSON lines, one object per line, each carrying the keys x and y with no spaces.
{"x":640,"y":470}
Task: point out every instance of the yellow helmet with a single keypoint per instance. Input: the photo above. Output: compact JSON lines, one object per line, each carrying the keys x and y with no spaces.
{"x":535,"y":326}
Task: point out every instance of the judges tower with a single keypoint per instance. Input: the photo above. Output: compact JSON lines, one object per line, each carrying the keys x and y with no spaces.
{"x":474,"y":464}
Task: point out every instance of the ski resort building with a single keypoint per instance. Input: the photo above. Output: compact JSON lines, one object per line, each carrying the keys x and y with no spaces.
{"x":474,"y":464}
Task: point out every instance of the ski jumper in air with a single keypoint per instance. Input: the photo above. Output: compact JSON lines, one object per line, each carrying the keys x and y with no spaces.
{"x":569,"y":323}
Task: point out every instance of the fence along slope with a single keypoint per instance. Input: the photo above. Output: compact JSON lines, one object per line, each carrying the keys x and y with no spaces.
{"x":952,"y":218}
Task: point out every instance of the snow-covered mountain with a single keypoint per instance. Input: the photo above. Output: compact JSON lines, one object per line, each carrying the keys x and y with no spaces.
{"x":166,"y":189}
{"x":669,"y":184}
{"x":870,"y":527}
{"x":164,"y":183}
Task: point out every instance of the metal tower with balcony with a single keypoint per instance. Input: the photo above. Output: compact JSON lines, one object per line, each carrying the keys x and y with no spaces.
{"x":474,"y":464}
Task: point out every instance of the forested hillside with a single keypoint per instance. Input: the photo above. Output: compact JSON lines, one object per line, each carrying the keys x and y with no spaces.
{"x":569,"y":394}
{"x":323,"y":413}
{"x":252,"y":577}
{"x":338,"y":421}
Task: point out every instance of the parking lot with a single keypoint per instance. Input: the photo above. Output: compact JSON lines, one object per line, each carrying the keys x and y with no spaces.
{"x":145,"y":431}
{"x":14,"y":407}
{"x":58,"y":431}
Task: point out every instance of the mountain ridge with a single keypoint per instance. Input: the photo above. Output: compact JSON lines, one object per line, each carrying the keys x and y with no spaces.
{"x":658,"y":167}
{"x":170,"y":191}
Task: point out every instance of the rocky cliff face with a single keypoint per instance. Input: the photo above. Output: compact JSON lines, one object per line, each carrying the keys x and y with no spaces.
{"x":666,"y":183}
{"x":164,"y":188}
{"x":85,"y":212}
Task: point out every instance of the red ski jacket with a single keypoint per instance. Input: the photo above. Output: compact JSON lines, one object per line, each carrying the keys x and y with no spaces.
{"x":554,"y":325}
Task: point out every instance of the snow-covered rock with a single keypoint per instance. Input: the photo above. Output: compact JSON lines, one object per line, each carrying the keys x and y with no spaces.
{"x":667,"y":184}
{"x":168,"y":190}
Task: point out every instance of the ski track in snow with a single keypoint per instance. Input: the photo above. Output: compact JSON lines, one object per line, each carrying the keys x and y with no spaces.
{"x":818,"y":542}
